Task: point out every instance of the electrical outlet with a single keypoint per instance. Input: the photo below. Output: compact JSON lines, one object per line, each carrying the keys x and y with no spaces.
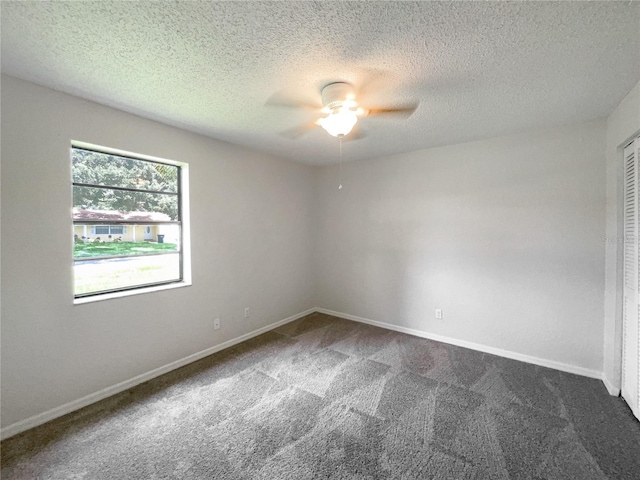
{"x":247,"y":312}
{"x":439,"y":313}
{"x":216,"y":323}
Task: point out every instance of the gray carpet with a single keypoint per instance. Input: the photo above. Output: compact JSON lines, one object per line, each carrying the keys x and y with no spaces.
{"x":326,"y":398}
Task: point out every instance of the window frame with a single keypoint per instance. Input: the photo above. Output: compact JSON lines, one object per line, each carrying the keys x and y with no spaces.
{"x":94,"y":228}
{"x":182,"y":222}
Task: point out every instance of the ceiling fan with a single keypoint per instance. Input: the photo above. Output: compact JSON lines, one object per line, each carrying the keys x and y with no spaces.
{"x":340,"y":111}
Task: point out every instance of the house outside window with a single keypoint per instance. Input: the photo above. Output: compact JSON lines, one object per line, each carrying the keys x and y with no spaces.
{"x":128,"y":229}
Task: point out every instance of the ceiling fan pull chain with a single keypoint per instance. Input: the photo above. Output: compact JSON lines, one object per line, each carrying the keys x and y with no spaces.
{"x":340,"y":165}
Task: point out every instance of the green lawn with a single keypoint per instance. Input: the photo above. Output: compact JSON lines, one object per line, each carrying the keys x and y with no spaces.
{"x":99,"y":275}
{"x":109,"y":249}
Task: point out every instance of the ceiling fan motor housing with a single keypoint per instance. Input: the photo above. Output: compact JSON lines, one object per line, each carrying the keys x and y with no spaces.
{"x":335,"y":94}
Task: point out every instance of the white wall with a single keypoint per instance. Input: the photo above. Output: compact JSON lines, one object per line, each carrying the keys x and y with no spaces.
{"x":505,"y":235}
{"x":622,"y":125}
{"x":250,"y":228}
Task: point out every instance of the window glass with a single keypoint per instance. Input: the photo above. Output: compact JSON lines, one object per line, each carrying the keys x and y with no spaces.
{"x":96,"y":168}
{"x":127,"y":222}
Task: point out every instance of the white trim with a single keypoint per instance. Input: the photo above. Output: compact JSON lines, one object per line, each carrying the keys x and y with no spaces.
{"x":125,"y":153}
{"x":565,"y":367}
{"x":613,"y":391}
{"x":69,"y":407}
{"x":127,"y":293}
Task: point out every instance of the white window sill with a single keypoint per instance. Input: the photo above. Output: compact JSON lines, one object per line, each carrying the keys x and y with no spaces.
{"x":127,"y":293}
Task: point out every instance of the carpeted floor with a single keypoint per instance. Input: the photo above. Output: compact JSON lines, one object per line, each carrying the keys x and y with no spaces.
{"x":327,"y":398}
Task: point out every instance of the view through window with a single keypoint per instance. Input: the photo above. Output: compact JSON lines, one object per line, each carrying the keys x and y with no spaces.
{"x":127,"y":222}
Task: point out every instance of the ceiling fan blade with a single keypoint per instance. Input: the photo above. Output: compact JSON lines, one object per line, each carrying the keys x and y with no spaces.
{"x":295,"y":132}
{"x":279,"y":100}
{"x":404,"y":111}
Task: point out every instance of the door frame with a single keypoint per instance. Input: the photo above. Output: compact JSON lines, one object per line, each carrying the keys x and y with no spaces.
{"x":620,"y":290}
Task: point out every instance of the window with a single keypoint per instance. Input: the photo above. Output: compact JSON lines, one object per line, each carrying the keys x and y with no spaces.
{"x":127,"y":221}
{"x":109,"y":230}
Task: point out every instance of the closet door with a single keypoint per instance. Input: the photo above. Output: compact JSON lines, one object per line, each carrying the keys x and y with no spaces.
{"x":631,"y":307}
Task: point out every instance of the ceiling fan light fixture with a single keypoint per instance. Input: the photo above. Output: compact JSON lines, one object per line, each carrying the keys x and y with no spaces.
{"x":339,"y":123}
{"x":340,"y":111}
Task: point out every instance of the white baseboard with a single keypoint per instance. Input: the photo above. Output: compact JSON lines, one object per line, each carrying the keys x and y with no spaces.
{"x":613,"y":391}
{"x":69,"y":407}
{"x":564,"y":367}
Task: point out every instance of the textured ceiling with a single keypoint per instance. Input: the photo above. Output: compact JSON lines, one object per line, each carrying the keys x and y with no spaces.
{"x":478,"y":69}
